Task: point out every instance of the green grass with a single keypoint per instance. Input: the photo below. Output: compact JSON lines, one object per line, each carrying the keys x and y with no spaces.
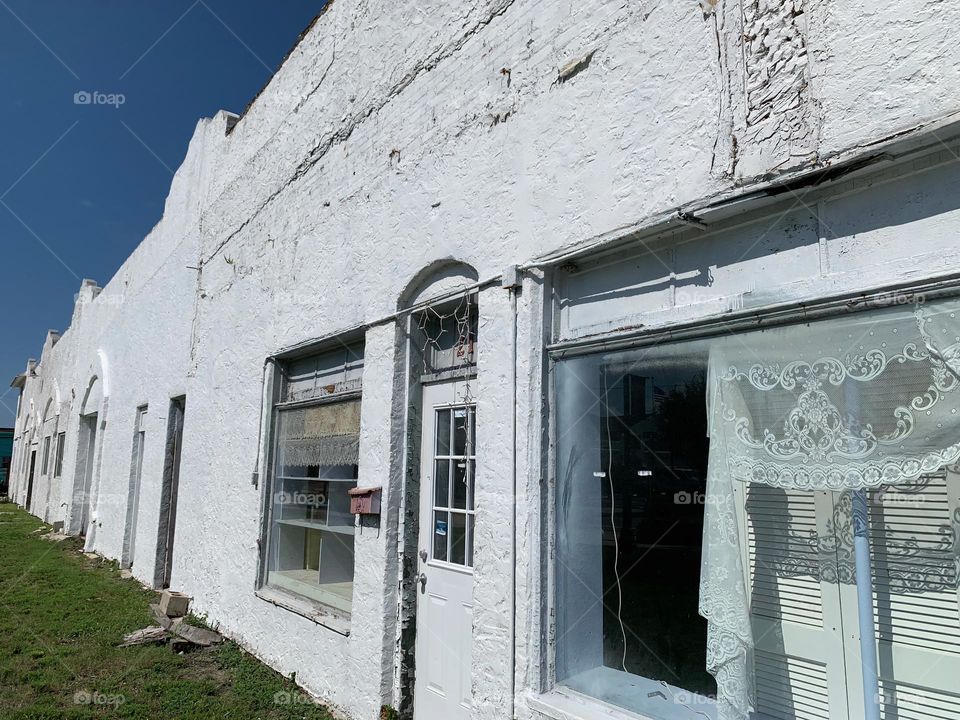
{"x":61,"y":618}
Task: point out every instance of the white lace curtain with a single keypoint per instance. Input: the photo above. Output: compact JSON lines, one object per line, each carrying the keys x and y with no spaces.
{"x":858,"y":402}
{"x":327,"y":434}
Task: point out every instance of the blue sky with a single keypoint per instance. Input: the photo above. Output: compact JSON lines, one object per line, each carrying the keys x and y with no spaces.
{"x":82,"y":184}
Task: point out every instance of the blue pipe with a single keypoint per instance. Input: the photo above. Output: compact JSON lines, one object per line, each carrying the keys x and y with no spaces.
{"x":868,"y":644}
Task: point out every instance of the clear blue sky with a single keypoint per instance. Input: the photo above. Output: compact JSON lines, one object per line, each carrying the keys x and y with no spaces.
{"x":89,"y":181}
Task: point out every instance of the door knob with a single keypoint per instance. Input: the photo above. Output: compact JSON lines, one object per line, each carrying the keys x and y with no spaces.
{"x":423,"y":555}
{"x":422,"y":579}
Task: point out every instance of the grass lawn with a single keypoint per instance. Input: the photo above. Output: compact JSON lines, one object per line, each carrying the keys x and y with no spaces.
{"x":61,"y":618}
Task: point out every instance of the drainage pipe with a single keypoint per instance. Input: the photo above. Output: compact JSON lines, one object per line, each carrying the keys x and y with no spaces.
{"x":511,"y":282}
{"x":861,"y":553}
{"x":868,"y":645}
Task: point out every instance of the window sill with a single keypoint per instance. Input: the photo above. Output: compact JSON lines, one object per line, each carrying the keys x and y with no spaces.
{"x":565,"y":704}
{"x":319,"y":614}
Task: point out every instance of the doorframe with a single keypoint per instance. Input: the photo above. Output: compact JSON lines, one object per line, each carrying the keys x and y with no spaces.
{"x":408,"y":535}
{"x":81,"y":510}
{"x":31,"y":476}
{"x":169,"y":493}
{"x":133,"y":488}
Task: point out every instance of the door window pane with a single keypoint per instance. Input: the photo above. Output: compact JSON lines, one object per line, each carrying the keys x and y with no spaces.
{"x":460,"y":432}
{"x":458,"y":538}
{"x":441,"y":527}
{"x":441,"y":482}
{"x":460,"y":481}
{"x":453,"y":485}
{"x":443,"y":432}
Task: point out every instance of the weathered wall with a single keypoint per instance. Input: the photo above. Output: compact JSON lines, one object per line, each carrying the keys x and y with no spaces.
{"x":490,"y":131}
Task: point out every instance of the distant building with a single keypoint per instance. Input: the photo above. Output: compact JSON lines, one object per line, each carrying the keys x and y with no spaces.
{"x":6,"y":451}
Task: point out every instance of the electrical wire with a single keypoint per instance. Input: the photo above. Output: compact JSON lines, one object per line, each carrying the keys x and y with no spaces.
{"x":613,"y":527}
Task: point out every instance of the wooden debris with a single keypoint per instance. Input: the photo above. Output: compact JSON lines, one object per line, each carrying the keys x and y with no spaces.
{"x":161,"y":618}
{"x":145,"y":636}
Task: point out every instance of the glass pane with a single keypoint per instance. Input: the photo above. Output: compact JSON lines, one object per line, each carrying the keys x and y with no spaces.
{"x":622,"y":464}
{"x":311,"y":539}
{"x":460,"y":431}
{"x":318,"y":435}
{"x":440,"y":526}
{"x":472,"y":450}
{"x":460,"y":484}
{"x":458,"y":538}
{"x":337,"y":497}
{"x":471,"y":523}
{"x":441,"y":483}
{"x":321,"y":375}
{"x":443,"y":432}
{"x":472,"y":484}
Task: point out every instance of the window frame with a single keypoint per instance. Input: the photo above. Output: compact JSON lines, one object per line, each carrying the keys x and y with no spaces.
{"x":275,"y":379}
{"x":554,"y":699}
{"x":58,"y":454}
{"x":45,"y":464}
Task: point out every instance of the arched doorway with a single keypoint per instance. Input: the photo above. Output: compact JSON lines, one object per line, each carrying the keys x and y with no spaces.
{"x":81,"y":509}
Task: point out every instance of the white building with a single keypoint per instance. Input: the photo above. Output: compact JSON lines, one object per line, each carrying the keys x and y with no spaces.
{"x":500,"y":243}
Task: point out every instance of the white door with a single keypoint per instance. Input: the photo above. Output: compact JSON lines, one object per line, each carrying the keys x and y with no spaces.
{"x":445,"y":591}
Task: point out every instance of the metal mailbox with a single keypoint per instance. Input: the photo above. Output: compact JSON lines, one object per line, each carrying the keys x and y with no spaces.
{"x":365,"y":501}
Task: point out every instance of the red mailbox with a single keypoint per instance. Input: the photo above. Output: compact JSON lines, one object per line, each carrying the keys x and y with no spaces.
{"x":365,"y":501}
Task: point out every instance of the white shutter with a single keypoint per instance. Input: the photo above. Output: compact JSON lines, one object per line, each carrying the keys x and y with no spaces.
{"x":913,"y":542}
{"x":794,"y":602}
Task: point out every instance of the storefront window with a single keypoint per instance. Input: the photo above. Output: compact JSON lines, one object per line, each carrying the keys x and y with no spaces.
{"x":632,"y":447}
{"x":317,"y":427}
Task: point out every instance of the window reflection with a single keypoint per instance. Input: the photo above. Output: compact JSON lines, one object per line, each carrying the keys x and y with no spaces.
{"x":632,"y":457}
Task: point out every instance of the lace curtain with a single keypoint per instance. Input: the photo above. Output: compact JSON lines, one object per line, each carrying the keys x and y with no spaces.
{"x":857,"y":402}
{"x":326,"y":434}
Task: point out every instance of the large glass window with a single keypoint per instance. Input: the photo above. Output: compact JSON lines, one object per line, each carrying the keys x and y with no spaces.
{"x":631,"y":443}
{"x":58,"y":456}
{"x":46,"y":456}
{"x":317,"y":427}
